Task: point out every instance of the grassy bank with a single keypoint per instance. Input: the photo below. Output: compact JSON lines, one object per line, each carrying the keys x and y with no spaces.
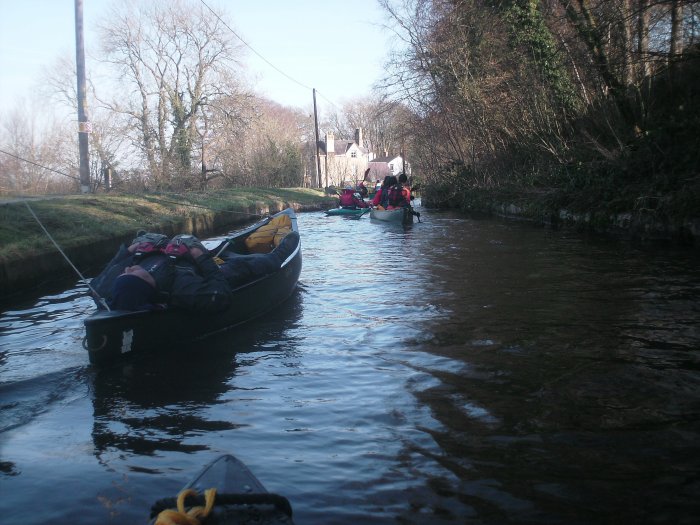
{"x":84,"y":219}
{"x":89,"y":228}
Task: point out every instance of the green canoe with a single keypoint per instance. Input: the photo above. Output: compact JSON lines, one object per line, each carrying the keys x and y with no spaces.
{"x":351,"y":212}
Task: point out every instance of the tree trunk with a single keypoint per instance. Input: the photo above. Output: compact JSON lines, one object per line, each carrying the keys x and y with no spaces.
{"x":588,"y":28}
{"x":676,"y":36}
{"x":643,"y":40}
{"x":627,"y":47}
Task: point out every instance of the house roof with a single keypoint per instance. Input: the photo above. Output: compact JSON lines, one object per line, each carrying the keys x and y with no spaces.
{"x":340,"y":147}
{"x":343,"y":146}
{"x":386,"y":159}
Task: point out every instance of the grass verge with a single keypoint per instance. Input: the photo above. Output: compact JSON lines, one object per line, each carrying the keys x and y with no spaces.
{"x":83,"y":219}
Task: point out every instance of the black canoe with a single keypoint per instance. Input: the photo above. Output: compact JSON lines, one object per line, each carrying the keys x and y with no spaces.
{"x":111,"y":335}
{"x":240,"y":497}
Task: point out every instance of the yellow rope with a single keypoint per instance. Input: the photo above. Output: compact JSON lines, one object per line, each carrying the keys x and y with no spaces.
{"x":187,"y":517}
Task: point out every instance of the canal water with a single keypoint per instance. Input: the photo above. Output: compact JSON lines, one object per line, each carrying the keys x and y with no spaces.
{"x":454,"y":371}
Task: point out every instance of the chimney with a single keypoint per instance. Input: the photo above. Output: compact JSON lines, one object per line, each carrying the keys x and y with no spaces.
{"x":358,"y":136}
{"x":330,"y":143}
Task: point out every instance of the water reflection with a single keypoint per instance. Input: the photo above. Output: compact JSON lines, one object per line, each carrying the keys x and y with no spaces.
{"x":453,"y":372}
{"x":151,"y":406}
{"x":164,"y":402}
{"x":570,"y":360}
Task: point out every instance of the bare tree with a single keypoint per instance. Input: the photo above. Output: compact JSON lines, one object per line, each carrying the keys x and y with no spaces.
{"x":468,"y":88}
{"x":500,"y":87}
{"x":108,"y":136}
{"x":174,"y":60}
{"x":263,"y":146}
{"x":38,"y":157}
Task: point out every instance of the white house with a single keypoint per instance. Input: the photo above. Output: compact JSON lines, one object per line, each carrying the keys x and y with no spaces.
{"x":343,"y":161}
{"x":387,"y":165}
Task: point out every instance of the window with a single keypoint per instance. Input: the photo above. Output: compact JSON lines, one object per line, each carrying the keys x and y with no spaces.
{"x":353,"y":154}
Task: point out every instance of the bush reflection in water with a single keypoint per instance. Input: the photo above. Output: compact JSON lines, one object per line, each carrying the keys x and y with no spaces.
{"x":454,"y":371}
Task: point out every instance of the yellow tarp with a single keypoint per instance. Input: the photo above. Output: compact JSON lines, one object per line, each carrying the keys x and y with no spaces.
{"x":267,"y":237}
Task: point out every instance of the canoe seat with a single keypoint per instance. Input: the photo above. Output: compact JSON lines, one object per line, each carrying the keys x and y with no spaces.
{"x":266,"y":238}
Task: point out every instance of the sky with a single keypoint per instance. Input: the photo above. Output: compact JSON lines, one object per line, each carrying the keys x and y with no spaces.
{"x":334,"y":46}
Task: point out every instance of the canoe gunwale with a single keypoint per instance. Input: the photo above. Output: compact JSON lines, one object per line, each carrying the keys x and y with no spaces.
{"x":396,"y":215}
{"x":240,"y":496}
{"x":349,"y":212}
{"x":113,"y":335}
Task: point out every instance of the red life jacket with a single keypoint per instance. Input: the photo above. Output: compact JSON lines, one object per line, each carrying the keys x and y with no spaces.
{"x":347,"y":198}
{"x":397,"y":197}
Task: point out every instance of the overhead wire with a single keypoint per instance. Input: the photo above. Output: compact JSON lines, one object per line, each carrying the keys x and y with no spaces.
{"x":280,"y":71}
{"x":265,"y":59}
{"x":254,"y":50}
{"x":38,"y":165}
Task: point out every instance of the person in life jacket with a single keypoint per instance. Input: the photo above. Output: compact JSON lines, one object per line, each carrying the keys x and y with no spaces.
{"x":349,"y":199}
{"x":403,"y":180}
{"x":381,"y":198}
{"x":400,"y":194}
{"x":398,"y":197}
{"x":362,"y":190}
{"x":153,"y":273}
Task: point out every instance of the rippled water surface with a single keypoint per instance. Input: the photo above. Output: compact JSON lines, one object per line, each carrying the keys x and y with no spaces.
{"x":455,"y":371}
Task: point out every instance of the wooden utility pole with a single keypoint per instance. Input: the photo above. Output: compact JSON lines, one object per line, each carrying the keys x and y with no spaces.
{"x":403,"y":155}
{"x":83,"y":122}
{"x":318,"y":156}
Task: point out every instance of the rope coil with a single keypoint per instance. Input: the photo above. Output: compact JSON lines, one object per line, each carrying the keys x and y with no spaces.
{"x":280,"y":503}
{"x":194,"y":515}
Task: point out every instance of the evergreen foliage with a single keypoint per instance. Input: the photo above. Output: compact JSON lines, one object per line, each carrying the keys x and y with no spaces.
{"x":527,"y":28}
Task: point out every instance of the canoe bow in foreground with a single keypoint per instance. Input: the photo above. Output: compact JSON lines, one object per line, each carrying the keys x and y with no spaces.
{"x":110,"y":335}
{"x":240,"y":497}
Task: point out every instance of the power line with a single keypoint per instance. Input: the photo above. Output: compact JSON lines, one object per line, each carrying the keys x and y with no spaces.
{"x":327,"y":100}
{"x":39,"y":165}
{"x":254,"y":51}
{"x":266,"y":60}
